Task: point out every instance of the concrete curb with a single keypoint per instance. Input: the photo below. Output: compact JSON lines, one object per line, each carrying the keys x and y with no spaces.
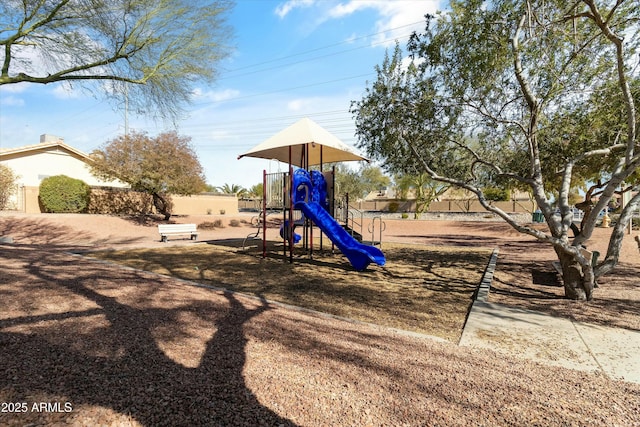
{"x":485,"y":284}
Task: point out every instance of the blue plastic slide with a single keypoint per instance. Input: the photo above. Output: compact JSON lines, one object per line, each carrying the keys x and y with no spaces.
{"x":284,"y":232}
{"x":309,"y":196}
{"x":358,"y":254}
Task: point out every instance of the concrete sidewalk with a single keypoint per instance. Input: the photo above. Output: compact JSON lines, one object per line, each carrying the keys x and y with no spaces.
{"x":553,"y":340}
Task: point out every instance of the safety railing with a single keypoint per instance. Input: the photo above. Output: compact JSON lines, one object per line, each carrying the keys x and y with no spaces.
{"x":355,"y":219}
{"x":372,"y":229}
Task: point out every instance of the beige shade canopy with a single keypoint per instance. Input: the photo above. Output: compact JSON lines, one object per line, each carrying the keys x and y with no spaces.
{"x":304,"y":138}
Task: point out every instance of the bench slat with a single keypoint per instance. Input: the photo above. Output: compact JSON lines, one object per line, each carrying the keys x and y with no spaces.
{"x":171,"y":229}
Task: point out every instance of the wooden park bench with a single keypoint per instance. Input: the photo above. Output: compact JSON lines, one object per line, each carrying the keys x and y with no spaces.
{"x":167,"y":230}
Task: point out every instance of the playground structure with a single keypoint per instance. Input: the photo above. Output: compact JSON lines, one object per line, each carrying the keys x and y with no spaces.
{"x":303,"y":197}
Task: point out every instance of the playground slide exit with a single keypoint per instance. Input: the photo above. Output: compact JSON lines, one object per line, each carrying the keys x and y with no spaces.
{"x":358,"y":254}
{"x":309,"y":196}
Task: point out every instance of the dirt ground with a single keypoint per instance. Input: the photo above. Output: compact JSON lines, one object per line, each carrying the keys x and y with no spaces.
{"x":101,"y":345}
{"x":524,"y":276}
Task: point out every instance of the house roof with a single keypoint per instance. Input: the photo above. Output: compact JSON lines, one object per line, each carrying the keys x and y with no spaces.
{"x":6,"y":153}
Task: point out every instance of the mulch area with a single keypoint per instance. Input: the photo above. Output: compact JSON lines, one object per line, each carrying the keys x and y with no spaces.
{"x":123,"y":347}
{"x":525,"y":277}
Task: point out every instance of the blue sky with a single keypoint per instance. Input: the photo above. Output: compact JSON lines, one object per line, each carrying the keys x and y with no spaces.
{"x":291,"y":59}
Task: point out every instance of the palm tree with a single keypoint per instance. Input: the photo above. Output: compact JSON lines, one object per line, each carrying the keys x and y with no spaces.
{"x":236,"y":189}
{"x":256,"y":191}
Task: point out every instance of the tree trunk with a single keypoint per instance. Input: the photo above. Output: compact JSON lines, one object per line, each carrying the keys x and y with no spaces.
{"x":578,"y":281}
{"x":162,"y":205}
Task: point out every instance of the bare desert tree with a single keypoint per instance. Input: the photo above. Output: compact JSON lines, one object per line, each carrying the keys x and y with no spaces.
{"x":150,"y":51}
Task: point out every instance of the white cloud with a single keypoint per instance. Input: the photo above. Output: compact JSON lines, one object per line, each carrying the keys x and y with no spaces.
{"x":65,"y":90}
{"x":14,"y":88}
{"x":297,"y":105}
{"x":351,"y":39}
{"x":11,"y":101}
{"x":313,"y":104}
{"x":283,"y":9}
{"x":215,"y":96}
{"x":406,"y":61}
{"x":221,"y":135}
{"x":397,"y":18}
{"x":8,"y":92}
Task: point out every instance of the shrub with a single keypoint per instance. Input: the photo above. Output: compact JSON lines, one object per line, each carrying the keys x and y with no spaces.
{"x":497,"y":194}
{"x":119,"y":201}
{"x":393,"y":207}
{"x":234,"y":223}
{"x":210,"y":225}
{"x":7,"y":185}
{"x":207,"y":225}
{"x":61,"y":193}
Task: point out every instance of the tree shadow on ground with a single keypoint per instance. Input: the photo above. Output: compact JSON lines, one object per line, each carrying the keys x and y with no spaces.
{"x":42,"y":232}
{"x":535,"y":285}
{"x":419,"y":289}
{"x":547,"y":278}
{"x":450,"y":240}
{"x":146,"y":220}
{"x":128,"y":371}
{"x":500,"y":227}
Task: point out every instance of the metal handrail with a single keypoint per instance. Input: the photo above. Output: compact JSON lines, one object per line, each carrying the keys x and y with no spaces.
{"x":256,"y":221}
{"x":351,"y":213}
{"x":372,"y":229}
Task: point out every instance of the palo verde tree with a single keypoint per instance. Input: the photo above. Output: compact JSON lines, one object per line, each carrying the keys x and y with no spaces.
{"x":357,"y":183}
{"x":160,"y":166}
{"x":425,"y":190}
{"x":150,"y":51}
{"x":531,"y":94}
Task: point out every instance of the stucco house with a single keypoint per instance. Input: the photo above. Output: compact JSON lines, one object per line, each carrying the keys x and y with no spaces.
{"x":33,"y":163}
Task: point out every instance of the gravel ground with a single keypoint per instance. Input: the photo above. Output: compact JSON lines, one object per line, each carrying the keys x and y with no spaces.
{"x":89,"y":343}
{"x":525,"y":277}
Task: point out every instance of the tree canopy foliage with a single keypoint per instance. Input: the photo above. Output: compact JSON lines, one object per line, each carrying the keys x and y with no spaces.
{"x":537,"y":95}
{"x":256,"y":191}
{"x":160,"y":166}
{"x":151,"y":51}
{"x":357,"y":183}
{"x":425,"y":190}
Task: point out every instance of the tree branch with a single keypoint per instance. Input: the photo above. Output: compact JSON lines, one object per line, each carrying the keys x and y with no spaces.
{"x":622,"y":78}
{"x":533,"y":104}
{"x":480,"y":196}
{"x":613,"y":250}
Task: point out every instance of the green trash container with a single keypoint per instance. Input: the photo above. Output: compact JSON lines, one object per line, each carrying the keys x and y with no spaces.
{"x":537,"y":217}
